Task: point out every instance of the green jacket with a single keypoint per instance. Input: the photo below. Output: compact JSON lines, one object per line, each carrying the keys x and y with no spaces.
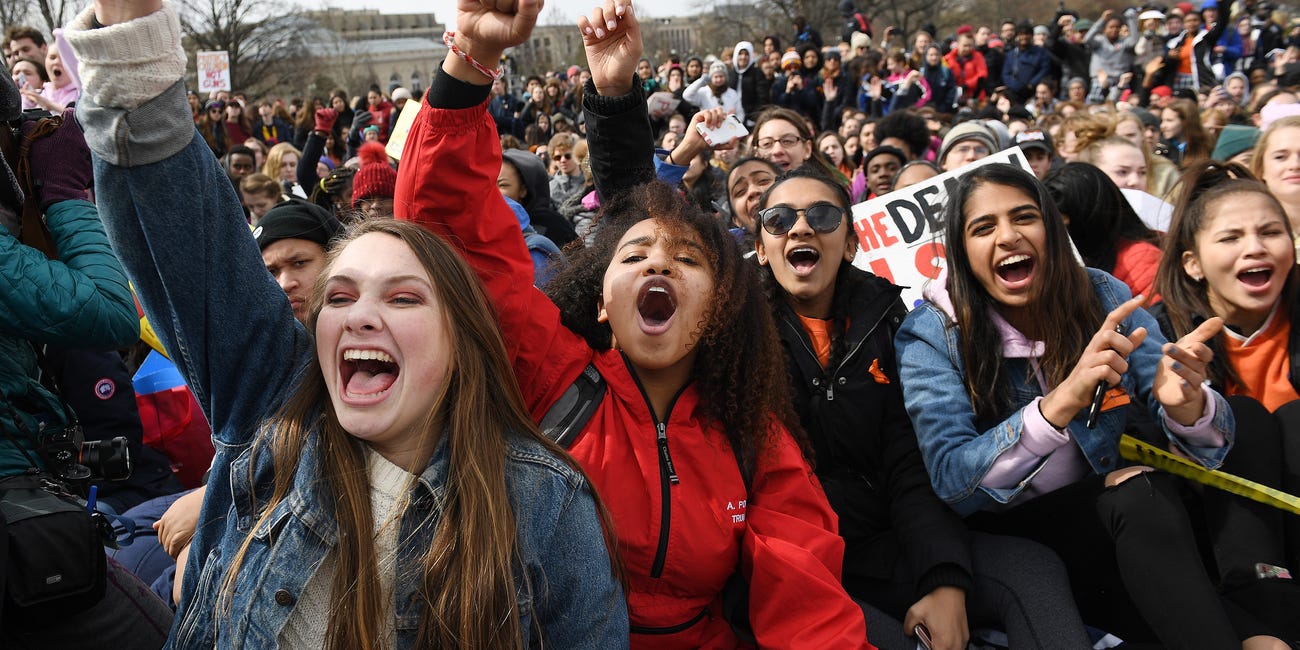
{"x":80,"y":300}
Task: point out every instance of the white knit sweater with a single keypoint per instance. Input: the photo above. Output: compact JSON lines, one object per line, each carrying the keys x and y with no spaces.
{"x":389,"y":485}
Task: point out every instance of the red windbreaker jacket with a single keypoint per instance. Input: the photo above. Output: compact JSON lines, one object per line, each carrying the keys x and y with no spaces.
{"x":679,"y":505}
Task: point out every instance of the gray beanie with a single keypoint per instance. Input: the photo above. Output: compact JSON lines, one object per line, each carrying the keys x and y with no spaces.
{"x":966,"y":131}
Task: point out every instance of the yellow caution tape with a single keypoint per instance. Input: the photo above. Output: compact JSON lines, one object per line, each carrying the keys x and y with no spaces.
{"x":1140,"y":452}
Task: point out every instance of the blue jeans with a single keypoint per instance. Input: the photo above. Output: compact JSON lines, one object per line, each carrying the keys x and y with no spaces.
{"x":145,"y":556}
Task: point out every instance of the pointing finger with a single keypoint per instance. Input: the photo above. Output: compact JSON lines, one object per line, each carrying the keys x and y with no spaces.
{"x":1207,"y":330}
{"x":1118,"y":314}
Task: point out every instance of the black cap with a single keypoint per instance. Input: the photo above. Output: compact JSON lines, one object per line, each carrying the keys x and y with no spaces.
{"x":1035,"y":139}
{"x":297,"y":219}
{"x":882,"y":150}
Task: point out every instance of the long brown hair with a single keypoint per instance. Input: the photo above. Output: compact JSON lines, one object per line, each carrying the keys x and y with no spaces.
{"x":468,"y":587}
{"x":1199,"y":145}
{"x":1187,"y":300}
{"x":1063,"y":297}
{"x":738,"y":371}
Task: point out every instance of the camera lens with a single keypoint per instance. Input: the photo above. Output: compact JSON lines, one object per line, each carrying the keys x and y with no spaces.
{"x":107,"y":458}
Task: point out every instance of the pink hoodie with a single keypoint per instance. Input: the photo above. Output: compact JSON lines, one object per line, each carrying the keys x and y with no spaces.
{"x":1041,"y":456}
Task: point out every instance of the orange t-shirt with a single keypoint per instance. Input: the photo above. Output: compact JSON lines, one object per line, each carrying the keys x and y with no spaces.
{"x":1187,"y":54}
{"x":819,"y":332}
{"x":1262,"y":361}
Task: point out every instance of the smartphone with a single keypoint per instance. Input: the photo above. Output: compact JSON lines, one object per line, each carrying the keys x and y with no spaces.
{"x":922,"y":637}
{"x":730,"y":129}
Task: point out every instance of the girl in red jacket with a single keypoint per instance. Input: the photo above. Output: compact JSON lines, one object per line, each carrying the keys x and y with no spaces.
{"x":689,"y":444}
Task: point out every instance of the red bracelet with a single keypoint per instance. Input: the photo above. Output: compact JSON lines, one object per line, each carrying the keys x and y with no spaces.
{"x":449,"y":39}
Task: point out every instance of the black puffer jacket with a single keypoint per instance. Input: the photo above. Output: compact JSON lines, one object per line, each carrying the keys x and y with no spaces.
{"x":866,"y":452}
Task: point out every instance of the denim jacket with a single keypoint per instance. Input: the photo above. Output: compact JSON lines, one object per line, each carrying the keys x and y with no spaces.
{"x":959,"y":450}
{"x":175,"y":222}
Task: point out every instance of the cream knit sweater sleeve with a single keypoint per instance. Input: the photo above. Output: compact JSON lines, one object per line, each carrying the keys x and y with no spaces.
{"x":124,"y":66}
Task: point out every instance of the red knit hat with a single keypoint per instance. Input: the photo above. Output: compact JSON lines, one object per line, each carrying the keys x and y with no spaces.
{"x":376,"y":178}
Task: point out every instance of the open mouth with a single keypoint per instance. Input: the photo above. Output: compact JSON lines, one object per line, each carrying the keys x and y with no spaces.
{"x":1255,"y":278}
{"x":803,"y":259}
{"x":368,"y":373}
{"x":1016,"y":269}
{"x":655,"y":304}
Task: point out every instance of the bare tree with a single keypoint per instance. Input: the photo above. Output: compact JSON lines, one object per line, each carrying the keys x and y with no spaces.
{"x":56,"y":13}
{"x":14,"y":12}
{"x":556,"y":16}
{"x":261,"y":46}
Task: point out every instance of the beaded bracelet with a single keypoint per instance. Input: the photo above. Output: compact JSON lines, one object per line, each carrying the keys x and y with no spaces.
{"x":449,"y":39}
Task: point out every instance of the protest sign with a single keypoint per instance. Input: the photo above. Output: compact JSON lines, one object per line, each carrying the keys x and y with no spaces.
{"x":214,"y":71}
{"x":900,"y":234}
{"x":402,"y":129}
{"x":661,"y":105}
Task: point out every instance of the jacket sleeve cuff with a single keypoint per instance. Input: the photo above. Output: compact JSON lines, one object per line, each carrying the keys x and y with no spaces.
{"x":1011,"y":471}
{"x":1202,"y":432}
{"x":943,"y":575}
{"x":668,"y":172}
{"x":154,"y":131}
{"x":449,"y":92}
{"x":126,"y":65}
{"x":608,"y":106}
{"x":1037,"y":435}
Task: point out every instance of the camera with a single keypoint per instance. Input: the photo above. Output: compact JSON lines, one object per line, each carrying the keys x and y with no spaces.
{"x":68,"y":456}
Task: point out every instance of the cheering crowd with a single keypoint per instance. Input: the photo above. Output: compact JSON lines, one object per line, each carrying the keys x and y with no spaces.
{"x":583,"y":359}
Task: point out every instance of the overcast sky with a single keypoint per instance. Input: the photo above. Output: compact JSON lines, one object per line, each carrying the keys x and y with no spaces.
{"x":445,"y":10}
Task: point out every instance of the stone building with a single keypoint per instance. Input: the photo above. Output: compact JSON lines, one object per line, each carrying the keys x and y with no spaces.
{"x":355,"y":48}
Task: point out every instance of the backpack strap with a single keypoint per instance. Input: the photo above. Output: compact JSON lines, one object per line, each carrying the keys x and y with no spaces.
{"x":569,"y":414}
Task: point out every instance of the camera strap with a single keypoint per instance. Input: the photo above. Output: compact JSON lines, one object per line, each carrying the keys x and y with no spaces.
{"x":116,"y":530}
{"x":50,"y":380}
{"x":18,"y":422}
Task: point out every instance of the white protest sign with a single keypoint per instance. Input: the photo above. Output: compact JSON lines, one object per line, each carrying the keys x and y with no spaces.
{"x":900,"y":234}
{"x":214,"y":71}
{"x":662,"y":104}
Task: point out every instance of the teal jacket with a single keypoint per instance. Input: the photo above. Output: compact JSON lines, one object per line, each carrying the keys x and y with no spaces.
{"x":80,"y":300}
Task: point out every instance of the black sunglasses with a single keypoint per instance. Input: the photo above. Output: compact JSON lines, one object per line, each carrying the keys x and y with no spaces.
{"x":822,"y":218}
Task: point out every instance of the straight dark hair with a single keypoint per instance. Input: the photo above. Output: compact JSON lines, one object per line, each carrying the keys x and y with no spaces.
{"x":1066,"y":305}
{"x":1100,"y":217}
{"x":776,"y":294}
{"x":1186,"y":300}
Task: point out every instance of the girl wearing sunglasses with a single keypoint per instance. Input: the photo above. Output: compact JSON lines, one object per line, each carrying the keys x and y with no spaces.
{"x":1000,"y":370}
{"x":906,"y":553}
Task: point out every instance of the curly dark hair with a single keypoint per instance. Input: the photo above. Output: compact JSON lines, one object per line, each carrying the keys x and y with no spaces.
{"x":740,"y":380}
{"x":907,"y":126}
